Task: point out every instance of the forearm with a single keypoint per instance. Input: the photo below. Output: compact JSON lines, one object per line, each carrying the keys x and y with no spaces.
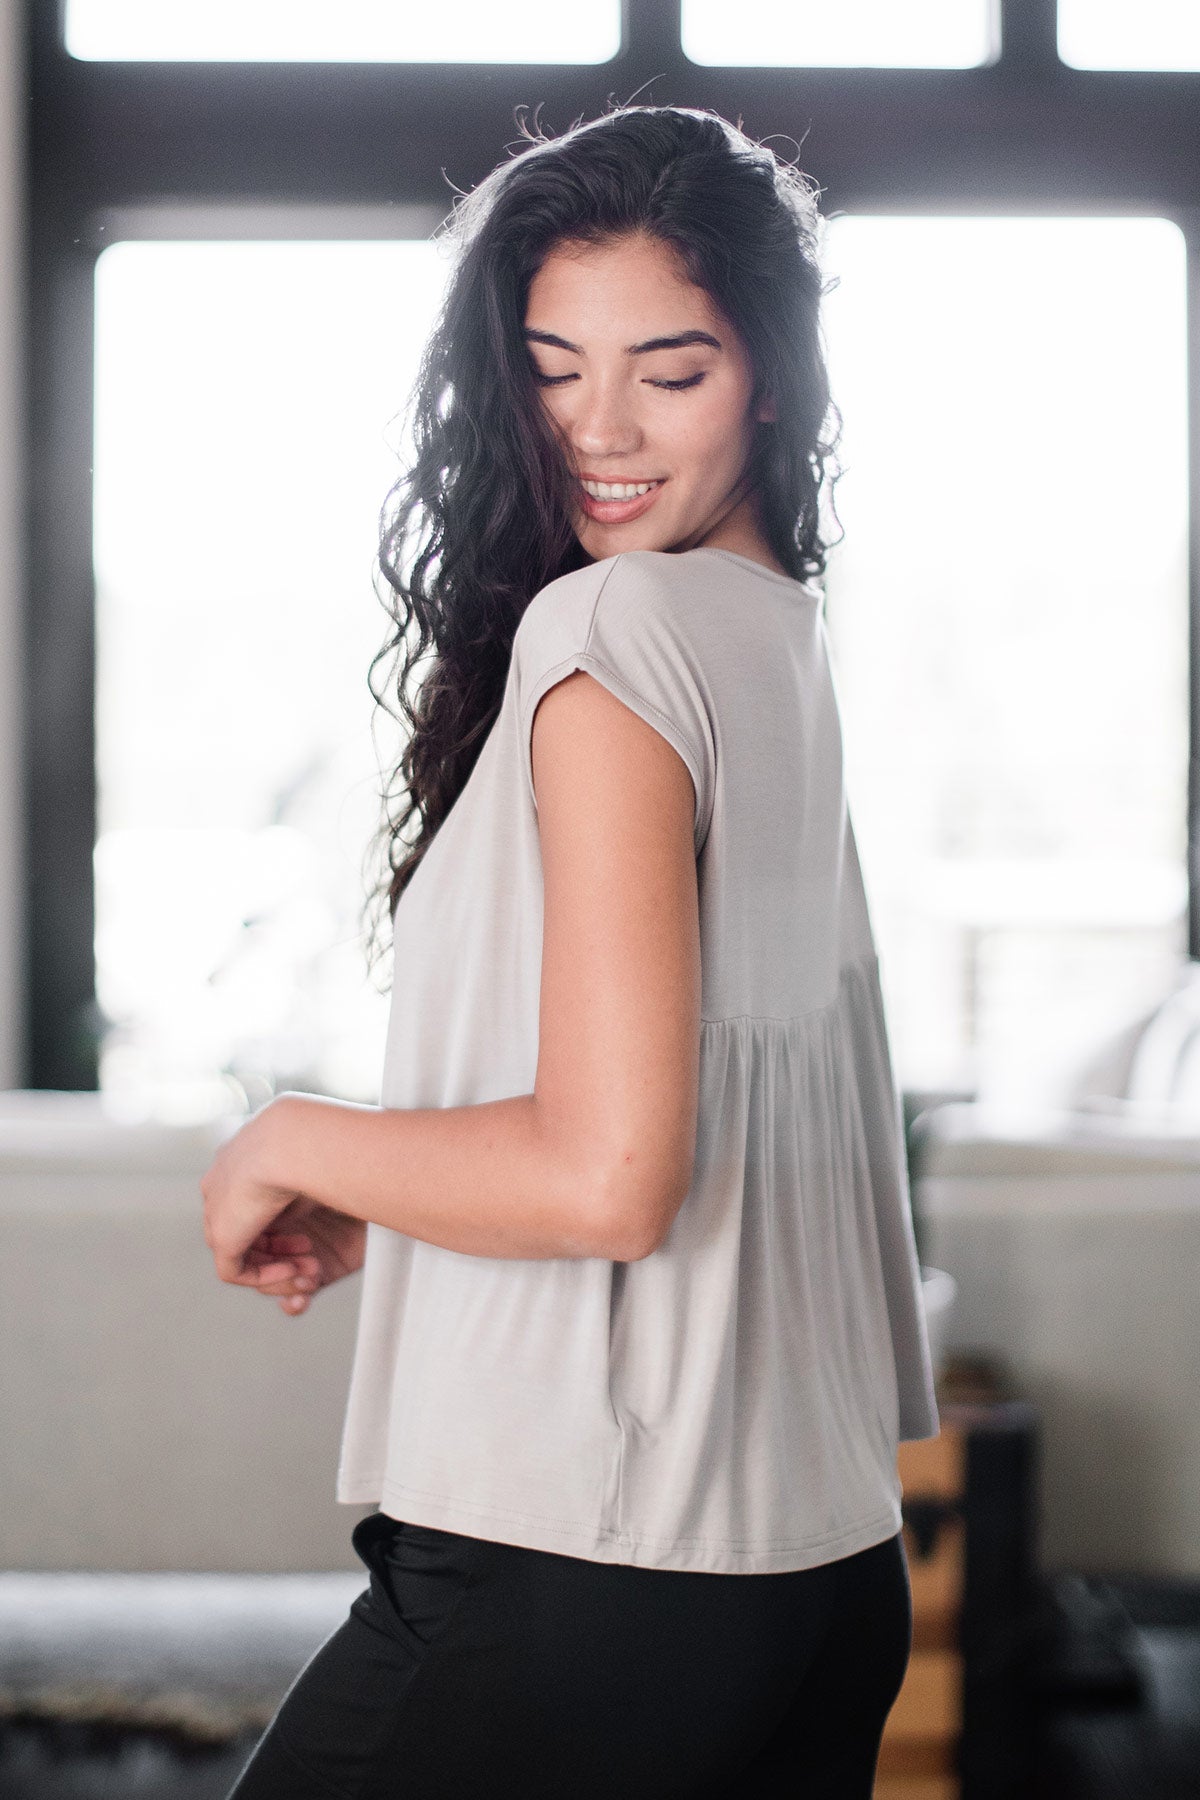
{"x":487,"y":1180}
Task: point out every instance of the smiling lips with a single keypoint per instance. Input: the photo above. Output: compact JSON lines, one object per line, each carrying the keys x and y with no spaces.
{"x":618,"y":502}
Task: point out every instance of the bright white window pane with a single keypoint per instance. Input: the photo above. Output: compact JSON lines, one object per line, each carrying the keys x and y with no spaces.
{"x":524,"y":31}
{"x":1009,"y":619}
{"x":928,"y":34}
{"x":1111,"y":34}
{"x":247,"y":429}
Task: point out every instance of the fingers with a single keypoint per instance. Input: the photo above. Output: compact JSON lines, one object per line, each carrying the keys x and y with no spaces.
{"x":283,"y":1267}
{"x":263,"y":1275}
{"x":286,"y":1243}
{"x":289,"y":1282}
{"x":270,"y":1266}
{"x":293,"y":1304}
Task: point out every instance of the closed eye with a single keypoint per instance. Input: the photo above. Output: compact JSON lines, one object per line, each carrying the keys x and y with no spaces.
{"x":688,"y":381}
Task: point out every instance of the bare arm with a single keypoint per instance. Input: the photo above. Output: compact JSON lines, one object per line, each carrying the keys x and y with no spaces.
{"x":597,"y":1160}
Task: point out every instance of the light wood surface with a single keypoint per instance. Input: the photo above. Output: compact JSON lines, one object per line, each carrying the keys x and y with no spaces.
{"x":937,"y":1586}
{"x":916,"y":1787}
{"x":929,"y":1705}
{"x":935,"y":1466}
{"x":920,"y":1741}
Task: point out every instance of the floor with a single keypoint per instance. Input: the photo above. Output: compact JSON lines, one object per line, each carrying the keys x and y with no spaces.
{"x":1116,"y":1698}
{"x":74,"y":1766}
{"x":1119,"y":1693}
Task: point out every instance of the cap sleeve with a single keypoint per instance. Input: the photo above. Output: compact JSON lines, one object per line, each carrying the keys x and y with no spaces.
{"x":625,"y":622}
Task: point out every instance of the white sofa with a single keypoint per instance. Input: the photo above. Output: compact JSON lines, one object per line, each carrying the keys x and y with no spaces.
{"x":1073,"y":1235}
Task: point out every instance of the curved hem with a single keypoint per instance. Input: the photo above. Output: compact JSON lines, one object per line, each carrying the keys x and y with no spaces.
{"x":596,"y":1544}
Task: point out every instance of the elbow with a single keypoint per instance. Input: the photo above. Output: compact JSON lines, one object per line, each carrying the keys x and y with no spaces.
{"x":638,"y":1218}
{"x":632,"y":1245}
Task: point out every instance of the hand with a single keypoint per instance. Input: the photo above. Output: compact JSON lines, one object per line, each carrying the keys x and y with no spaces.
{"x":305,"y":1248}
{"x":244,"y":1191}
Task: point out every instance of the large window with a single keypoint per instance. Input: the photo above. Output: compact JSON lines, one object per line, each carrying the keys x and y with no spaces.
{"x":523,"y":31}
{"x":247,"y":429}
{"x":1009,"y":594}
{"x":1112,"y":34}
{"x":1009,"y":614}
{"x":1008,"y":611}
{"x":932,"y":34}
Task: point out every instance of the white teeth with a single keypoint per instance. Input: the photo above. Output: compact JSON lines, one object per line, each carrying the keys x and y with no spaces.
{"x":617,"y":490}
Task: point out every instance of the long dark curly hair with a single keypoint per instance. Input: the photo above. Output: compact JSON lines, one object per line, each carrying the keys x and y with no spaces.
{"x":482,"y":518}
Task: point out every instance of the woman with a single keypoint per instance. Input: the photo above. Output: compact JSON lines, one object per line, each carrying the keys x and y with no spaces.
{"x":641,"y":1306}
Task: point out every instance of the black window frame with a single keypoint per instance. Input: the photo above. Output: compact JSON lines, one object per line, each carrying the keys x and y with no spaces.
{"x":109,"y":143}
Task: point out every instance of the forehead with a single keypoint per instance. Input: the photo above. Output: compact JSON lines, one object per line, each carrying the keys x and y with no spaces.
{"x":602,"y":283}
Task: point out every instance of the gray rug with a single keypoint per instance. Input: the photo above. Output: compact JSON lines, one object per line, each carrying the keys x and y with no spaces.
{"x":206,"y":1657}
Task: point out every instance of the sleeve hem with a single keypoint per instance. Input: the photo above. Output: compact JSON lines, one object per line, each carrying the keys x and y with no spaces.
{"x":645,"y":709}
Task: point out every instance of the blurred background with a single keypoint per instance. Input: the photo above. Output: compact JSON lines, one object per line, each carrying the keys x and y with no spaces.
{"x":217,"y":271}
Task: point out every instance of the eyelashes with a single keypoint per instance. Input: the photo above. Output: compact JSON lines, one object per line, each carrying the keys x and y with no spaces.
{"x":688,"y":381}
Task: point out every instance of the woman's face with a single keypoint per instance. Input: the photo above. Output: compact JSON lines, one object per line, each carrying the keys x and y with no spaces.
{"x":650,"y":389}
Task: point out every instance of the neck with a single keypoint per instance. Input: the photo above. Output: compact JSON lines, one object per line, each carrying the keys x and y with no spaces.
{"x":741,"y":531}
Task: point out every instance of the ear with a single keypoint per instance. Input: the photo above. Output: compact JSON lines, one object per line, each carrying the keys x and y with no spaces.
{"x":766,"y":413}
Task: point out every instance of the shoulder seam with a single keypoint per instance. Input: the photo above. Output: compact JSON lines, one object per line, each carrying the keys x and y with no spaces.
{"x":596,"y":603}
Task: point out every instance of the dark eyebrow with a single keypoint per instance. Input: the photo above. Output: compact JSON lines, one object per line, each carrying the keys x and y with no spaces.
{"x":680,"y":341}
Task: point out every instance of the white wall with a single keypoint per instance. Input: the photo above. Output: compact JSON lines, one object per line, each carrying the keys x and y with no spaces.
{"x":11,"y":88}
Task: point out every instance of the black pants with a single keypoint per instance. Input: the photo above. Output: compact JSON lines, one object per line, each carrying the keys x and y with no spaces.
{"x":472,"y":1670}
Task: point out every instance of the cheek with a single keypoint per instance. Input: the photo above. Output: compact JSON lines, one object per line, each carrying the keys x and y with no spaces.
{"x":717,"y":432}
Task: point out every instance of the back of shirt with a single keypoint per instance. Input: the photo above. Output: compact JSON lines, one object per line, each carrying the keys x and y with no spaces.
{"x":733,"y":1401}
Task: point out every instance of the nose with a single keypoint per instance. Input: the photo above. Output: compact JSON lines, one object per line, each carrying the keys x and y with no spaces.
{"x":605,"y":424}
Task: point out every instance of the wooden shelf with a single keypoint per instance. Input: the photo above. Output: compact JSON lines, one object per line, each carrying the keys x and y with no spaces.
{"x":918,"y":1755}
{"x":916,"y":1787}
{"x":935,"y":1468}
{"x":937,"y":1587}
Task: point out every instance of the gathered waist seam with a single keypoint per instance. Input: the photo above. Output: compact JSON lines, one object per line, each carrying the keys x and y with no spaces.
{"x":862,"y":965}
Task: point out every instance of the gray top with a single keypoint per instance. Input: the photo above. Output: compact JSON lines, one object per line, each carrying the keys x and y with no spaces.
{"x":733,"y":1401}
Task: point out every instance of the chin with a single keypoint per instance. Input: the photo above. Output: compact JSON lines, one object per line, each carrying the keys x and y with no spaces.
{"x":599,"y":544}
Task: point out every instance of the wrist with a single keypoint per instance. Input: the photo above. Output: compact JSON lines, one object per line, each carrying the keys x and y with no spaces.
{"x":276,"y":1131}
{"x":307,"y":1139}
